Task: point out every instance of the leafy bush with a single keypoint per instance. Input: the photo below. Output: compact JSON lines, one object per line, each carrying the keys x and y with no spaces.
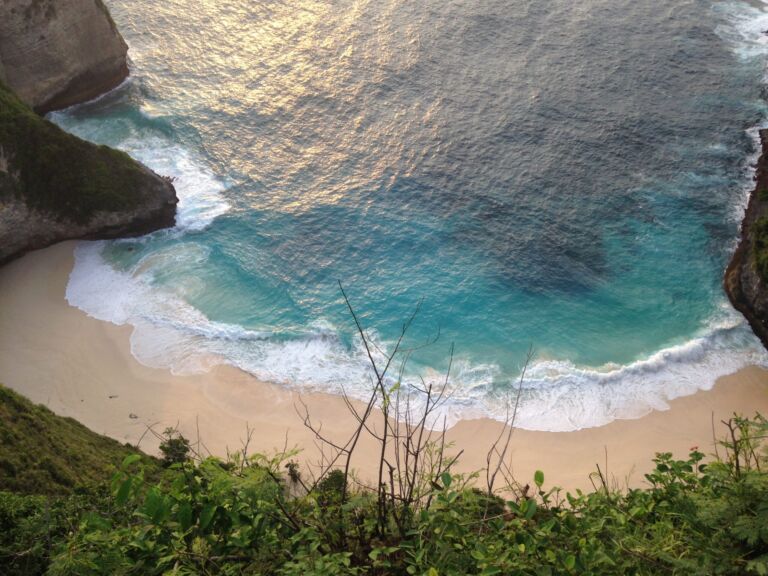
{"x":33,"y":527}
{"x":261,"y":515}
{"x":174,"y":447}
{"x":211,"y":518}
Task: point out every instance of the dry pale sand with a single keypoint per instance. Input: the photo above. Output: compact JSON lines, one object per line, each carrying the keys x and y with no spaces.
{"x":80,"y":367}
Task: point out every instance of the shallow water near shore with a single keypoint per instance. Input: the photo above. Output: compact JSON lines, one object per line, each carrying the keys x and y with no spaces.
{"x":567,"y":176}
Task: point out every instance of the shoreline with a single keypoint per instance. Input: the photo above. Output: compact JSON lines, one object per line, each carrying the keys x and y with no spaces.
{"x":56,"y":355}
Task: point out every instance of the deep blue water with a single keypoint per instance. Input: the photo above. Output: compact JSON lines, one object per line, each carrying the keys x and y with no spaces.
{"x":567,"y":176}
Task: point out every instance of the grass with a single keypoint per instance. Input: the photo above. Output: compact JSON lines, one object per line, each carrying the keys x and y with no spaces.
{"x":42,"y":453}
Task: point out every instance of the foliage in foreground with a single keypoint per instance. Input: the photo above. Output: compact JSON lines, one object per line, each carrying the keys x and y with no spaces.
{"x":244,"y":517}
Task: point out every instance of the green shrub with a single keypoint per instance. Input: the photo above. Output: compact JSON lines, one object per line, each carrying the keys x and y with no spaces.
{"x":210,"y":518}
{"x":174,"y":447}
{"x":243,"y":516}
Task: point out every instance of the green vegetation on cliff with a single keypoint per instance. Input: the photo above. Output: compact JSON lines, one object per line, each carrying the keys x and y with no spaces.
{"x":53,"y":472}
{"x":760,"y":246}
{"x":222,"y":518}
{"x":61,"y":174}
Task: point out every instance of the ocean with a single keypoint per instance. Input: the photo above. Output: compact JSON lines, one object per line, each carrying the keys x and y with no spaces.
{"x":566,"y":177}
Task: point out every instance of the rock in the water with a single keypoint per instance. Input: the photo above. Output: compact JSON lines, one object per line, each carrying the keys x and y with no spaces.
{"x":56,"y":53}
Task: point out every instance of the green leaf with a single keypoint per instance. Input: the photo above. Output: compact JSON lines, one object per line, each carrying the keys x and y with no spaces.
{"x":530,"y":508}
{"x":130,"y":459}
{"x":206,"y":515}
{"x":570,"y":562}
{"x":154,"y":505}
{"x":124,"y":491}
{"x":446,"y":478}
{"x":185,"y":516}
{"x":538,"y":478}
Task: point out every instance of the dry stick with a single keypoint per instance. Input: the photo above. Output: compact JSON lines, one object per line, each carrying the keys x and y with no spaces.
{"x":354,"y":412}
{"x":244,"y":450}
{"x":440,"y":454}
{"x":197,"y":430}
{"x":148,"y":428}
{"x":735,"y":445}
{"x":385,"y":407}
{"x":398,"y":438}
{"x":427,"y":411}
{"x":714,"y":436}
{"x":422,"y":444}
{"x":490,"y":479}
{"x":321,"y":441}
{"x":602,"y":478}
{"x":751,"y":444}
{"x":347,"y":449}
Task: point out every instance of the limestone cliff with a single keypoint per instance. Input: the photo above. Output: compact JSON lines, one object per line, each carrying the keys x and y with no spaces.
{"x":56,"y":53}
{"x":745,"y":277}
{"x":54,"y":186}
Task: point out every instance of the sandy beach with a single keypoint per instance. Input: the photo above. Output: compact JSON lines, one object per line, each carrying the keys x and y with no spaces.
{"x":81,"y":367}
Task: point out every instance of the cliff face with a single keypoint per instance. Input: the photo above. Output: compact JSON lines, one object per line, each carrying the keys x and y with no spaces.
{"x":54,"y":186}
{"x":56,"y":53}
{"x":745,"y":277}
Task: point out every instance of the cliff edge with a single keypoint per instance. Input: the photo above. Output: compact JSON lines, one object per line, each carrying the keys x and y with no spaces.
{"x":746,"y":278}
{"x":56,"y":53}
{"x":54,"y":186}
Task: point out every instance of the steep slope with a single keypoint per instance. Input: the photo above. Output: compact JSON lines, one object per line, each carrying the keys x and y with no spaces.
{"x":41,"y":453}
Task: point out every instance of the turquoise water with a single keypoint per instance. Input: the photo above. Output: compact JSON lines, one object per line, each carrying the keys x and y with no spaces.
{"x":566,"y":176}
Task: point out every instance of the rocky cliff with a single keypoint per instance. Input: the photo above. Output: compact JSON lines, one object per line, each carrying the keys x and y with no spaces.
{"x":56,"y":53}
{"x":746,"y":278}
{"x":54,"y":186}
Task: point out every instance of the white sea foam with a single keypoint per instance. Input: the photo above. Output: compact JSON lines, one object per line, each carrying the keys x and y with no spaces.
{"x":200,"y":192}
{"x":556,"y":395}
{"x":559,"y":396}
{"x":743,"y":26}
